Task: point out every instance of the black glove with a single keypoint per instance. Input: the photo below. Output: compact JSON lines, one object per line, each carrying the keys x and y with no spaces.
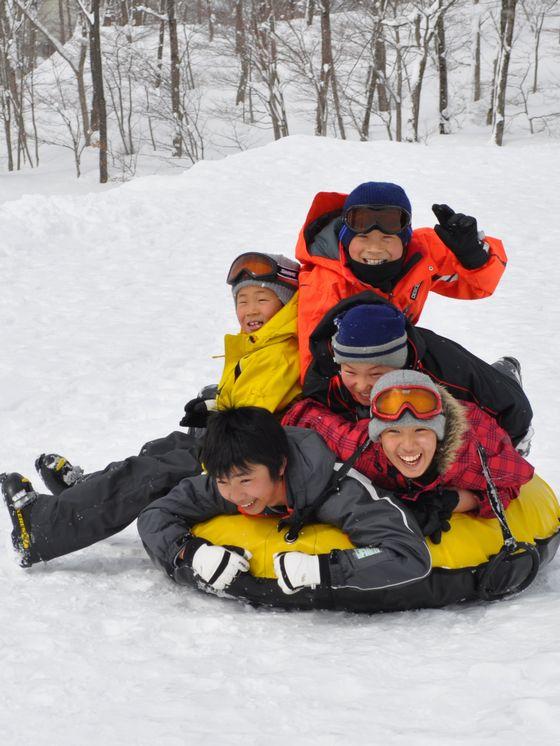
{"x":196,"y":413}
{"x":433,"y":510}
{"x":460,"y":234}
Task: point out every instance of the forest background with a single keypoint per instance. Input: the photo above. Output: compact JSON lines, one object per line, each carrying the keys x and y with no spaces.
{"x":166,"y":83}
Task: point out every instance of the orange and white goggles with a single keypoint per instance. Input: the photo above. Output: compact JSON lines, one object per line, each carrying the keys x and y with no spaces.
{"x":389,"y":404}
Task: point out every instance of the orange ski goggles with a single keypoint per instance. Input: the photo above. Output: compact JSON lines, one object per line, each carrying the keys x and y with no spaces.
{"x":422,"y":402}
{"x":256,"y":266}
{"x":387,"y":219}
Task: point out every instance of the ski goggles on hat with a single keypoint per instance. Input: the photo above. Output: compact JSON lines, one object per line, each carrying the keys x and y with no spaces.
{"x":386,"y":218}
{"x":389,"y":404}
{"x":255,"y":266}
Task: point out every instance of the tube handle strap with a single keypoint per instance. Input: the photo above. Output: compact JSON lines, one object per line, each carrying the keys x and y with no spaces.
{"x":489,"y":586}
{"x":494,"y":498}
{"x":296,"y":521}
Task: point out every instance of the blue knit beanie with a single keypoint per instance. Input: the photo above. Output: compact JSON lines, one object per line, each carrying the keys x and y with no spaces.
{"x":377,"y":193}
{"x":373,"y":334}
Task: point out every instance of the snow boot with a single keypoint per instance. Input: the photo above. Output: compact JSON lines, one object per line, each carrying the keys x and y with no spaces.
{"x":57,"y":472}
{"x":511,"y":367}
{"x":19,"y":495}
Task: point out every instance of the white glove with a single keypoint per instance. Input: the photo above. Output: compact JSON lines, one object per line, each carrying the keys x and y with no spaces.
{"x":219,"y":566}
{"x":296,"y":570}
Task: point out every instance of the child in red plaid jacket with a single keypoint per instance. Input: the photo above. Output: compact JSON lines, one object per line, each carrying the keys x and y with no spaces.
{"x":455,"y":464}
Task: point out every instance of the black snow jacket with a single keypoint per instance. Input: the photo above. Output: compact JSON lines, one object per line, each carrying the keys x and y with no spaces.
{"x":464,"y":375}
{"x":357,"y":508}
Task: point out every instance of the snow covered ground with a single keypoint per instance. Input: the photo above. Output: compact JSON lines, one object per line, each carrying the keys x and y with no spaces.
{"x":112,"y":304}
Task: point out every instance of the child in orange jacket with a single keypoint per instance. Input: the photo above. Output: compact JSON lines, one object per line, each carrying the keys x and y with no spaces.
{"x":351,"y":243}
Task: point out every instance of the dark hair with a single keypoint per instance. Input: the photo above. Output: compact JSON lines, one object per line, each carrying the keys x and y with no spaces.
{"x":238,"y":438}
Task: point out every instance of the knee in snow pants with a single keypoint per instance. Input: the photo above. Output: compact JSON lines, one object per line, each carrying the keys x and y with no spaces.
{"x":108,"y":501}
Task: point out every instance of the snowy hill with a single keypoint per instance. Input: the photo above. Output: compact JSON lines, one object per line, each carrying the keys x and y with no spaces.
{"x":113,"y":303}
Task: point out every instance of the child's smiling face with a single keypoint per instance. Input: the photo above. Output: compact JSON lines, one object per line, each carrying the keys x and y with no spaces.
{"x":255,"y":306}
{"x":375,"y":248}
{"x":410,"y":449}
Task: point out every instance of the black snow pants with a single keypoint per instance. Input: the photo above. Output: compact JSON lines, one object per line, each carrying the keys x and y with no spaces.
{"x":107,"y":501}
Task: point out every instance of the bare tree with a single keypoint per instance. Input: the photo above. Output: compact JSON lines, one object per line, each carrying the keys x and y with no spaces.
{"x":441,"y":53}
{"x":475,"y":50}
{"x":507,"y":22}
{"x":94,"y":20}
{"x":76,"y":65}
{"x":16,"y":61}
{"x":69,"y":117}
{"x":264,"y":59}
{"x":175,"y":79}
{"x":536,"y":12}
{"x":241,"y":48}
{"x":309,"y":11}
{"x":210,"y":15}
{"x":327,"y":76}
{"x":427,"y":17}
{"x":376,"y":79}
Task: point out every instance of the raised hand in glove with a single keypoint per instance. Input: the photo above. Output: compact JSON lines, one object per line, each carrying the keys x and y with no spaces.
{"x":433,"y":510}
{"x":297,"y":570}
{"x":196,"y":413}
{"x":460,"y":234}
{"x":216,"y":565}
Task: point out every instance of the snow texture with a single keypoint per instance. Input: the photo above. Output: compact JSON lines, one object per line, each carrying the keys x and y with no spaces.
{"x":113,"y":303}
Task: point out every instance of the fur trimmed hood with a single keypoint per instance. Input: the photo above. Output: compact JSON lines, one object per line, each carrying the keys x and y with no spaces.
{"x":456,"y":425}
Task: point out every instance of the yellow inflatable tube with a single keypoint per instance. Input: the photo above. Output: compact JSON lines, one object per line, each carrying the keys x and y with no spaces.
{"x":534,"y":516}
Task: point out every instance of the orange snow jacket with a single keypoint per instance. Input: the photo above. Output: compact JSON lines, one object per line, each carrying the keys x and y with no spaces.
{"x":325,"y":279}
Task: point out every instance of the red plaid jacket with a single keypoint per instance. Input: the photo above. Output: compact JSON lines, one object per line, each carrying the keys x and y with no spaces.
{"x":509,"y":470}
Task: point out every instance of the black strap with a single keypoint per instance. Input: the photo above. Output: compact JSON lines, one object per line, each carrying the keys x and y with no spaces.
{"x":494,"y":498}
{"x":285,"y":576}
{"x":224,"y":562}
{"x":298,"y":519}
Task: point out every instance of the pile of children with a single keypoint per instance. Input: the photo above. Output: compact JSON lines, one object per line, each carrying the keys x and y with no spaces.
{"x":343,"y":365}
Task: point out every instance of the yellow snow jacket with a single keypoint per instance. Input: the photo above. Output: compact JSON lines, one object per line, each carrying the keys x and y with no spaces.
{"x":262,"y":369}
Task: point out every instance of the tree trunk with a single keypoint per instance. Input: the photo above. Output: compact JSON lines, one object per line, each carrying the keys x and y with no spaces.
{"x":61,"y":24}
{"x":99,"y":94}
{"x":13,"y":63}
{"x":309,"y":12}
{"x":68,"y":18}
{"x":371,"y":85}
{"x":161,"y":42}
{"x":507,"y":23}
{"x":381,"y":65}
{"x":210,"y":21}
{"x":416,"y":94}
{"x":538,"y":30}
{"x":327,"y":76}
{"x":442,"y":70}
{"x":476,"y":51}
{"x":241,"y":50}
{"x":82,"y":96}
{"x":398,"y":103}
{"x":175,"y":79}
{"x":326,"y":70}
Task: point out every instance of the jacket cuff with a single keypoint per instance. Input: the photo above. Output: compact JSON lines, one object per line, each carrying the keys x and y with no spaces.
{"x":187,"y":545}
{"x":476,"y":258}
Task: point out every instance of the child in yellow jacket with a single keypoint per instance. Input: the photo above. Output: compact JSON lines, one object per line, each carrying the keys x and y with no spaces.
{"x":261,"y":365}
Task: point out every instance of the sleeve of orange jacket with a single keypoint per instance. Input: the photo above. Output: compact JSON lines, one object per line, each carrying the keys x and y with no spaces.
{"x":455,"y":281}
{"x":319,"y":290}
